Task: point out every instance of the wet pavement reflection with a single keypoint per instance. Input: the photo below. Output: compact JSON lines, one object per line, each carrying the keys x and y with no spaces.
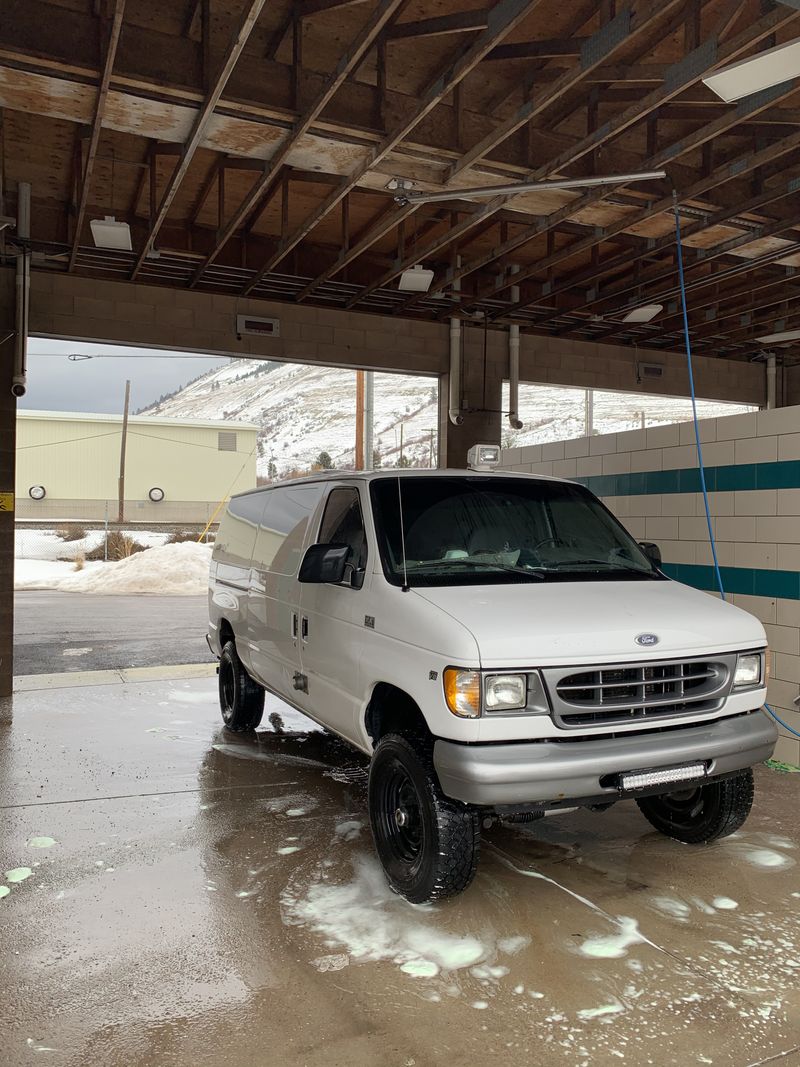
{"x":180,"y":895}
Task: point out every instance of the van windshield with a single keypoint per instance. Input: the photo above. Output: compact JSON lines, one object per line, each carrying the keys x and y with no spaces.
{"x":480,"y":530}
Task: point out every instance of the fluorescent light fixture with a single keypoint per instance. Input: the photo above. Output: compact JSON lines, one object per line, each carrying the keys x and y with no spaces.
{"x":646,"y":313}
{"x":776,"y":338}
{"x":749,"y":76}
{"x":404,"y":196}
{"x":416,"y":279}
{"x":108,"y":233}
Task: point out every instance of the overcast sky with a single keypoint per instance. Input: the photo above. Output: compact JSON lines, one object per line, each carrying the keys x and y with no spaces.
{"x":56,"y":383}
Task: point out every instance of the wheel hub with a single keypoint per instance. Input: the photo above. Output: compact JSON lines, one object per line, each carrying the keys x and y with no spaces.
{"x":401,"y":817}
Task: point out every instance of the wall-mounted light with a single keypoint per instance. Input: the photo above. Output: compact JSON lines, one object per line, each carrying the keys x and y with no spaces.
{"x":416,"y":279}
{"x":156,"y":494}
{"x":37,"y":492}
{"x":108,"y":233}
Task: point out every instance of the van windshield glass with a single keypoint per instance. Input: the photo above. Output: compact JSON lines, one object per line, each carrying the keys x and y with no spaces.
{"x":479,"y":530}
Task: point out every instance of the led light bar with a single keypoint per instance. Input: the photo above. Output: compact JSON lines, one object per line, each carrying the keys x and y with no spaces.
{"x":646,"y":313}
{"x":663,"y":777}
{"x":768,"y":68}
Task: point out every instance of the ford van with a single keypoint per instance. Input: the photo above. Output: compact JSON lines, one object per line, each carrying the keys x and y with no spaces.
{"x":498,"y":645}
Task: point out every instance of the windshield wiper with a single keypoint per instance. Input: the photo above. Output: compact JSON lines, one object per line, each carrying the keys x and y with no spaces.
{"x":460,"y":562}
{"x":617,"y":565}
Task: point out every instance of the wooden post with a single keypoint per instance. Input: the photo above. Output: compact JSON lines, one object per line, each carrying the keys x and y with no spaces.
{"x":123,"y":444}
{"x":359,"y":463}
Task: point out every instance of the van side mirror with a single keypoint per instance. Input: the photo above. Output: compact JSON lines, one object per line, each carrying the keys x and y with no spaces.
{"x":323,"y":564}
{"x":652,"y":551}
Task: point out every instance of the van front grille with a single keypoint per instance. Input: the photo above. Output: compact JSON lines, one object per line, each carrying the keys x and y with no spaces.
{"x":628,"y":692}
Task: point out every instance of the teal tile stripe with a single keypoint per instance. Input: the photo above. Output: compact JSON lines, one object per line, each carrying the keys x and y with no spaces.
{"x":752,"y":580}
{"x":737,"y":477}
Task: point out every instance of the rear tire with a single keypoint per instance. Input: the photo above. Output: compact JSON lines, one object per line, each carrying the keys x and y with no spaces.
{"x":697,"y":816}
{"x":241,"y":700}
{"x":427,"y":843}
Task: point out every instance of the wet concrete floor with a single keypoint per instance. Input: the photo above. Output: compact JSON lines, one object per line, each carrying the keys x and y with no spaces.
{"x":182,"y":896}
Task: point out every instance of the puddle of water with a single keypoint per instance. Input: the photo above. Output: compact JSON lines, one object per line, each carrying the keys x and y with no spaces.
{"x":42,"y":842}
{"x":18,"y":874}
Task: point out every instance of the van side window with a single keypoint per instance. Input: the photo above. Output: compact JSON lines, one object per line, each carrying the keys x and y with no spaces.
{"x":237,"y":532}
{"x":343,"y":524}
{"x":283,"y":526}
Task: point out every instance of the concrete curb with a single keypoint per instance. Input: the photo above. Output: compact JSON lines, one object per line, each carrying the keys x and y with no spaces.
{"x":73,"y":679}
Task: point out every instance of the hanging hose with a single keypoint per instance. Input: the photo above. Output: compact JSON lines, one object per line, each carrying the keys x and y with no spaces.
{"x":688,"y":342}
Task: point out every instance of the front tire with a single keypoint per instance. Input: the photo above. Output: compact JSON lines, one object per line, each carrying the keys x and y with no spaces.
{"x":241,"y":700}
{"x":427,"y":843}
{"x":697,"y":816}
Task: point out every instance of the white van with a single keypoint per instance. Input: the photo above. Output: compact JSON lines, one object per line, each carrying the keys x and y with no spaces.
{"x":499,"y":645}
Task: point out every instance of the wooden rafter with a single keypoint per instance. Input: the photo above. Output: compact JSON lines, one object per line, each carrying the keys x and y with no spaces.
{"x":504,"y":17}
{"x":235,"y":48}
{"x":441,"y":25}
{"x":97,"y":126}
{"x":262,"y":188}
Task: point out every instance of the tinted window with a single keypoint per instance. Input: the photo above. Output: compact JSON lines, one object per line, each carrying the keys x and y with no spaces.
{"x":343,"y":524}
{"x":283,"y":526}
{"x":237,"y":533}
{"x":476,"y":530}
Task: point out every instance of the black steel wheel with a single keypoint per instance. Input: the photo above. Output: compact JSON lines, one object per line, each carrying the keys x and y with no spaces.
{"x":241,"y":700}
{"x":697,"y":816}
{"x":427,"y":843}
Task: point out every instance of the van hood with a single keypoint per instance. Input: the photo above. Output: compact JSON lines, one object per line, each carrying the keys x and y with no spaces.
{"x":559,"y":623}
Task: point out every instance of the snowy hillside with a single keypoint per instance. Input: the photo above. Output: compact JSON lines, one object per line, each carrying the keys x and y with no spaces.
{"x":307,"y":410}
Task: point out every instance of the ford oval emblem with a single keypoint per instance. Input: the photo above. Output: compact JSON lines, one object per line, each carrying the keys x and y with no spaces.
{"x":647,"y":639}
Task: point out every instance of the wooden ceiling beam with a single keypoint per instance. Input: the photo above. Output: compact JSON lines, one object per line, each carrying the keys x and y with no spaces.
{"x":236,"y":46}
{"x":115,"y":32}
{"x":305,"y":8}
{"x":503,"y":17}
{"x":623,"y":31}
{"x":458,"y":22}
{"x":589,"y":276}
{"x":556,"y":48}
{"x":261,"y":189}
{"x":682,"y":76}
{"x":734,"y":168}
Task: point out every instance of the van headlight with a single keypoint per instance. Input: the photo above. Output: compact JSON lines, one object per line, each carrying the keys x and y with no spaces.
{"x":749,"y":670}
{"x":506,"y":692}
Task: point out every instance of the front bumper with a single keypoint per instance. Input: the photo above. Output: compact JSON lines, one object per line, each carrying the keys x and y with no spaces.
{"x":554,"y":771}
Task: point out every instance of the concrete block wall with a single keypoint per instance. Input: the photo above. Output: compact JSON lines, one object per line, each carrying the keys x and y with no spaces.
{"x":649,"y":479}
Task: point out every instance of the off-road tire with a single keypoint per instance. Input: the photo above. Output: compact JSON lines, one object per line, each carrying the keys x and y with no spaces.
{"x":697,"y":816}
{"x":241,"y":700}
{"x":435,"y":854}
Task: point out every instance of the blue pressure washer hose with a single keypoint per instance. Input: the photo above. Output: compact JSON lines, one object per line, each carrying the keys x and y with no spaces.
{"x":687,"y":339}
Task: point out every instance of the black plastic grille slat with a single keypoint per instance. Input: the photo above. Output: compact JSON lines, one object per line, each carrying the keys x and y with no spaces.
{"x":621,"y":693}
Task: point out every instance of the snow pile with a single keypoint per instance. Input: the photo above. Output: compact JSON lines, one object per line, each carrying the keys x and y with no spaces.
{"x":180,"y":569}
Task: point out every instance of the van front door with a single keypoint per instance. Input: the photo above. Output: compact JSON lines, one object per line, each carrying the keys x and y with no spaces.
{"x":274,"y":589}
{"x":332,"y":620}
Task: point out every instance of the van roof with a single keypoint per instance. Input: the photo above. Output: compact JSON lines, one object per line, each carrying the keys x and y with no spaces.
{"x":407,"y":472}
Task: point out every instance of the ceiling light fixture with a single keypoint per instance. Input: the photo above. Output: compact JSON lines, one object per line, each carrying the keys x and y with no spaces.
{"x":777,"y":338}
{"x":416,"y":279}
{"x":403,"y":195}
{"x":646,"y":313}
{"x":768,"y":68}
{"x":108,"y":233}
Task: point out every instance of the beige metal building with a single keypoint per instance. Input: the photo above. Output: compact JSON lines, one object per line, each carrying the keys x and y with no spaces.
{"x":175,"y":470}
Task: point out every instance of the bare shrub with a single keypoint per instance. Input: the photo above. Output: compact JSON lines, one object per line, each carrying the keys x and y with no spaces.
{"x":71,"y":531}
{"x":177,"y":537}
{"x":120,"y":546}
{"x":80,"y":562}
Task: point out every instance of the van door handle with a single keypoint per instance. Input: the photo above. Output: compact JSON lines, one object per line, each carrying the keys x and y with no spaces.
{"x":294,"y":624}
{"x":304,"y":628}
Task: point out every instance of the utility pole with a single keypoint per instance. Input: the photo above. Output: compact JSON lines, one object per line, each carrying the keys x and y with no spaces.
{"x":369,"y":419}
{"x":359,"y":463}
{"x":400,"y":462}
{"x":121,"y":510}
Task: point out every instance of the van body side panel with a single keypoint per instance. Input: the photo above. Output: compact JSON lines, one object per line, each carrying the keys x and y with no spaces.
{"x":275,"y":592}
{"x":229,"y":576}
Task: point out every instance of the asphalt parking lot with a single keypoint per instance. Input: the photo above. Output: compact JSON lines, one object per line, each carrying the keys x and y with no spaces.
{"x":79,"y":632}
{"x":179,"y":895}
